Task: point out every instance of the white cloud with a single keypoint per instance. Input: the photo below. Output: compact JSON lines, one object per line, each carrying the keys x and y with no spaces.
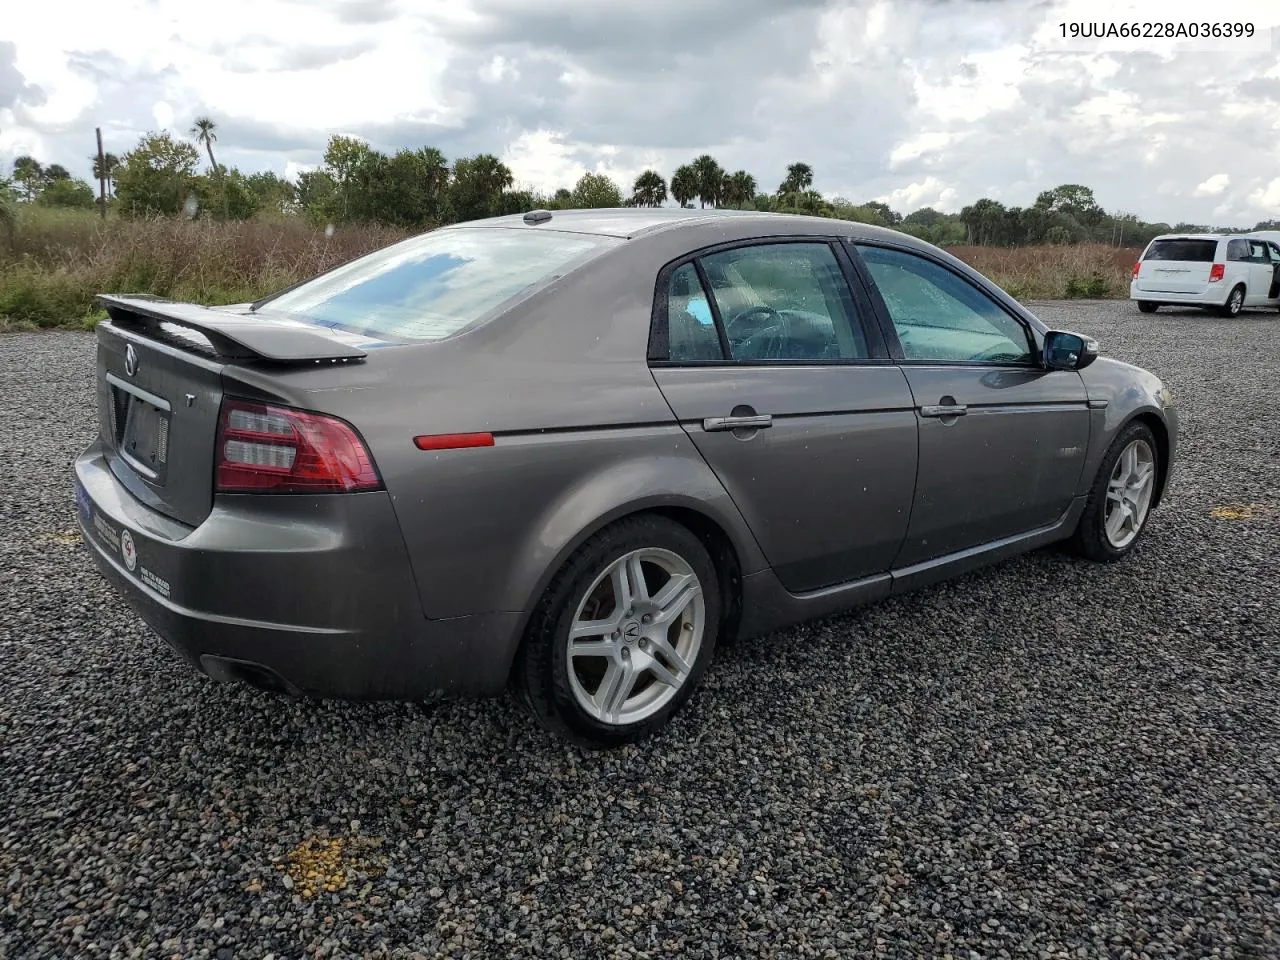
{"x":163,"y":114}
{"x":542,"y":160}
{"x":1214,"y":186}
{"x":1267,"y":198}
{"x":926,"y":143}
{"x":930,"y":192}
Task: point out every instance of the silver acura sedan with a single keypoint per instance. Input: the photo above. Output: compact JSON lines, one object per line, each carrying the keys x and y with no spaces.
{"x":569,"y":452}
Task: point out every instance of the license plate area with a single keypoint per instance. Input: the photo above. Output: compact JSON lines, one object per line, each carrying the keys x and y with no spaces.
{"x":141,"y":425}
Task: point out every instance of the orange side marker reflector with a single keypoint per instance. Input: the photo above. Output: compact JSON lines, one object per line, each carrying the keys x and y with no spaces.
{"x":453,"y":441}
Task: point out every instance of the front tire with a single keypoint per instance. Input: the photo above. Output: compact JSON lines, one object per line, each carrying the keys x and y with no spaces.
{"x":1119,"y":505}
{"x":1235,"y":302}
{"x":622,"y":635}
{"x":1146,"y":306}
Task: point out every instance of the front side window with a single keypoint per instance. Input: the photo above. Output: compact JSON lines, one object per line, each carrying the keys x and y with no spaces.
{"x":432,"y":286}
{"x":939,"y":316}
{"x":784,"y":301}
{"x":1258,"y":252}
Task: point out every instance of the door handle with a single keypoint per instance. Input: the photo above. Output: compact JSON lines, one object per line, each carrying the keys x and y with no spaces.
{"x":756,"y":422}
{"x":944,"y":410}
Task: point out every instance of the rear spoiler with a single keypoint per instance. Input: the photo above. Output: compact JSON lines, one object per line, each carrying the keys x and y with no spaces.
{"x":233,"y":337}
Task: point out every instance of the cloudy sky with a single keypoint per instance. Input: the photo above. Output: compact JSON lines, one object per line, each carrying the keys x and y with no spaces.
{"x":915,"y":102}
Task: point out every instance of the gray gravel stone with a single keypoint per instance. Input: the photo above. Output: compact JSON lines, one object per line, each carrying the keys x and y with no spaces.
{"x":1044,"y":759}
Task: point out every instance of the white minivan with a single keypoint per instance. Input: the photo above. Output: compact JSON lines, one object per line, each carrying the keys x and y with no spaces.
{"x":1221,"y":272}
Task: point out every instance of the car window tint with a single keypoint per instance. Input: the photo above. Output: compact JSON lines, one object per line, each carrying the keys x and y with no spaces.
{"x":1274,"y":252}
{"x":939,"y":316}
{"x":1193,"y":251}
{"x":785,"y":301}
{"x":1237,"y":250}
{"x":691,"y":328}
{"x":434,"y":285}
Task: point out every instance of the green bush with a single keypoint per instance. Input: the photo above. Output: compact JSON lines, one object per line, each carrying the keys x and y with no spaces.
{"x":33,"y":294}
{"x":1095,"y":286}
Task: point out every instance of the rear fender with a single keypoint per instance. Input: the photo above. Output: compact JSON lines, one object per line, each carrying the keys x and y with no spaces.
{"x":623,"y":489}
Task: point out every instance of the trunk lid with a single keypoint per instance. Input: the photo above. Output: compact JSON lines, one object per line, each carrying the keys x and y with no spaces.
{"x":160,"y":371}
{"x":1177,"y":265}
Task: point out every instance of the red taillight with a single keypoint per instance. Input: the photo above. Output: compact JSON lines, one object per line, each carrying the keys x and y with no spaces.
{"x":267,"y":448}
{"x":1137,"y":266}
{"x":453,"y":441}
{"x":1217,"y":272}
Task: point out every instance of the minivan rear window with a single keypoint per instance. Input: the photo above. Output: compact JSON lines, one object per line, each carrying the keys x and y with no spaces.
{"x":1194,"y":251}
{"x":432,"y":286}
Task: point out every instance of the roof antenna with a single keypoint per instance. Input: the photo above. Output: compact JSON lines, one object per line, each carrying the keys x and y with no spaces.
{"x":537,"y":216}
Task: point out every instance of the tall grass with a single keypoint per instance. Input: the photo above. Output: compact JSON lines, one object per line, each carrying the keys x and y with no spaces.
{"x":1052,"y":273}
{"x":53,"y":262}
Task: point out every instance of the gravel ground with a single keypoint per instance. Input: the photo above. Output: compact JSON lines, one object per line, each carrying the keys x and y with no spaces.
{"x":1044,"y":759}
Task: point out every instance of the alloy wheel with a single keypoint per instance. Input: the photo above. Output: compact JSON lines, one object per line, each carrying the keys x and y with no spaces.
{"x":635,"y":636}
{"x":1129,"y":493}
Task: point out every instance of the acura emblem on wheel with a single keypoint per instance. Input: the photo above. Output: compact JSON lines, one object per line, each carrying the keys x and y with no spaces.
{"x":130,"y":360}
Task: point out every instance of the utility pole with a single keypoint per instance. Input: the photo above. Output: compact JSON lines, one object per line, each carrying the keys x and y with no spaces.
{"x":102,"y":175}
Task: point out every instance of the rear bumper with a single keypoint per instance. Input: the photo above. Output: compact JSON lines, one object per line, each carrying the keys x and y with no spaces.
{"x":308,"y":594}
{"x":1212,"y":296}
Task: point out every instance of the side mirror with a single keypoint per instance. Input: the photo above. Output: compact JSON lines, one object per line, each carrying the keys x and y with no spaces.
{"x":1068,"y":351}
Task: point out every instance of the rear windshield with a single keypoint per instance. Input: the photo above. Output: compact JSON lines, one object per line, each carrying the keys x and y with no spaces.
{"x":1196,"y":251}
{"x":432,"y":286}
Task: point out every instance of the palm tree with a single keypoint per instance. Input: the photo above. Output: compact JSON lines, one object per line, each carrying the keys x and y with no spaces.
{"x":105,"y":169}
{"x":649,"y":190}
{"x":684,"y":185}
{"x":739,"y":188}
{"x":799,"y":179}
{"x":204,"y":132}
{"x":710,"y":179}
{"x":28,"y":172}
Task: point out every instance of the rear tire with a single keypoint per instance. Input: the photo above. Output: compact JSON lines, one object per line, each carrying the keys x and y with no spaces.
{"x":1146,"y":306}
{"x":1119,"y":505}
{"x":643,"y":599}
{"x":1235,"y":302}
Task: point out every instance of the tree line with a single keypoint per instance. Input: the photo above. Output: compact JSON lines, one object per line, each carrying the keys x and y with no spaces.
{"x":420,"y":188}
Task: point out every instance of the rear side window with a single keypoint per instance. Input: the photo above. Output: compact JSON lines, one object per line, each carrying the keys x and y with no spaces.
{"x":774,"y":302}
{"x":1237,"y":249}
{"x":1258,"y":251}
{"x":691,"y":327}
{"x":433,"y":286}
{"x":1186,"y":251}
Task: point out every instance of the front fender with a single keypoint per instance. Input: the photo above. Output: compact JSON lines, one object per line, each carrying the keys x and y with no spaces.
{"x":1120,"y":393}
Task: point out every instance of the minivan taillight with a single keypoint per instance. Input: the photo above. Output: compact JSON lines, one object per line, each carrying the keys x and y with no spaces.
{"x":265,"y":448}
{"x":1217,"y":272}
{"x":1137,"y":266}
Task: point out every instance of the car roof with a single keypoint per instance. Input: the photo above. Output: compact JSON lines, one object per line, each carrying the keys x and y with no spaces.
{"x":631,"y":222}
{"x":1194,"y":236}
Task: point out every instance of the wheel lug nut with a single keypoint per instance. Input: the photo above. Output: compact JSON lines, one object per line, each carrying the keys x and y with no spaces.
{"x":646,"y":618}
{"x":616,"y":635}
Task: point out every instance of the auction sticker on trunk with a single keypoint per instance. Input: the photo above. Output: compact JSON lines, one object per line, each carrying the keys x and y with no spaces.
{"x":128,"y":552}
{"x":108,"y":533}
